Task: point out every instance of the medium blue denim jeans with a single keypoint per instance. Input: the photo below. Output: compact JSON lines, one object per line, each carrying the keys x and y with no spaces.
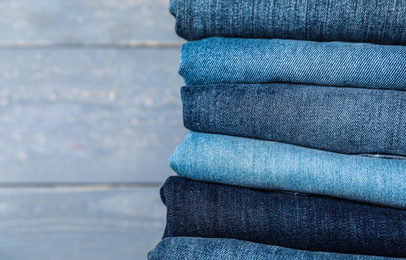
{"x":379,"y":21}
{"x":298,"y":221}
{"x":196,"y":248}
{"x":250,"y":61}
{"x":344,"y":120}
{"x":270,"y":165}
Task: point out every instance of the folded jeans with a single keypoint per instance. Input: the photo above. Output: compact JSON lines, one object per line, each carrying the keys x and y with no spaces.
{"x":379,"y":21}
{"x":298,"y":221}
{"x":271,"y":165}
{"x":250,"y":61}
{"x":196,"y":248}
{"x":343,"y":120}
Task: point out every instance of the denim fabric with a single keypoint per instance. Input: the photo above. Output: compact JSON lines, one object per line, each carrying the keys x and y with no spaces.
{"x":250,"y":61}
{"x":344,"y":120}
{"x":190,"y":248}
{"x":378,"y":21}
{"x":277,"y":166}
{"x":315,"y":223}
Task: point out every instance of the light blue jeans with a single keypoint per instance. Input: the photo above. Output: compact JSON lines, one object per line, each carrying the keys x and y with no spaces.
{"x":271,"y":165}
{"x":188,"y":248}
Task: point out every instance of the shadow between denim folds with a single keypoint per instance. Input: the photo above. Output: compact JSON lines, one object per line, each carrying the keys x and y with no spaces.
{"x":252,"y":61}
{"x":379,"y":21}
{"x":277,"y":166}
{"x":299,"y":221}
{"x":337,"y":119}
{"x":191,"y":248}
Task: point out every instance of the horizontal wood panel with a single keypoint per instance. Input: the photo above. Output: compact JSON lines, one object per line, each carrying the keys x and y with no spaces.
{"x":86,"y":21}
{"x":80,"y":223}
{"x":88,"y":115}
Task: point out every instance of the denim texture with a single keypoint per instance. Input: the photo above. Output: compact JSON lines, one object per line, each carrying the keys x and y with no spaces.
{"x":251,"y":61}
{"x":298,"y":221}
{"x":190,"y":248}
{"x":270,"y":165}
{"x":378,"y":21}
{"x":344,"y":120}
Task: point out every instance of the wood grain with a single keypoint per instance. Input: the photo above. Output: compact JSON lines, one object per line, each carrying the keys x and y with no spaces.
{"x":89,"y":94}
{"x":88,"y":115}
{"x":83,"y":223}
{"x":86,"y":21}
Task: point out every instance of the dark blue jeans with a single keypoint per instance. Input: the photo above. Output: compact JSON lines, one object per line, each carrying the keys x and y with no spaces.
{"x":344,"y":120}
{"x":379,"y":21}
{"x":299,"y":221}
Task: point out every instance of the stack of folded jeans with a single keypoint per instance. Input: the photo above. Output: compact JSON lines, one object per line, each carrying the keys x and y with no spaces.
{"x":297,"y":149}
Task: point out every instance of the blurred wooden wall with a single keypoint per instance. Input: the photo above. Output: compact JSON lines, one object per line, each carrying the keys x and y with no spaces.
{"x":89,"y":113}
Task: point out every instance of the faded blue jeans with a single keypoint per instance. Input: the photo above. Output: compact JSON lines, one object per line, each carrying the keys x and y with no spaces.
{"x":379,"y":21}
{"x":250,"y":61}
{"x":299,"y":221}
{"x":277,"y":166}
{"x":191,"y":248}
{"x":337,"y":119}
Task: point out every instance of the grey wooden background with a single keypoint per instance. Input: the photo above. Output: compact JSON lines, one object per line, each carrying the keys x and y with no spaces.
{"x":89,"y":113}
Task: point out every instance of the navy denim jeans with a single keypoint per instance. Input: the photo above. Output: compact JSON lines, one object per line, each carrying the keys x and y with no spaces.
{"x":299,"y":221}
{"x":250,"y":61}
{"x":197,"y":248}
{"x":344,"y":120}
{"x":378,"y":21}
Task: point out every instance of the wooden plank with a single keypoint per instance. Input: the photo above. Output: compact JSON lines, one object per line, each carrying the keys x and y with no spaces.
{"x":86,"y":21}
{"x":79,"y":223}
{"x":88,"y":115}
